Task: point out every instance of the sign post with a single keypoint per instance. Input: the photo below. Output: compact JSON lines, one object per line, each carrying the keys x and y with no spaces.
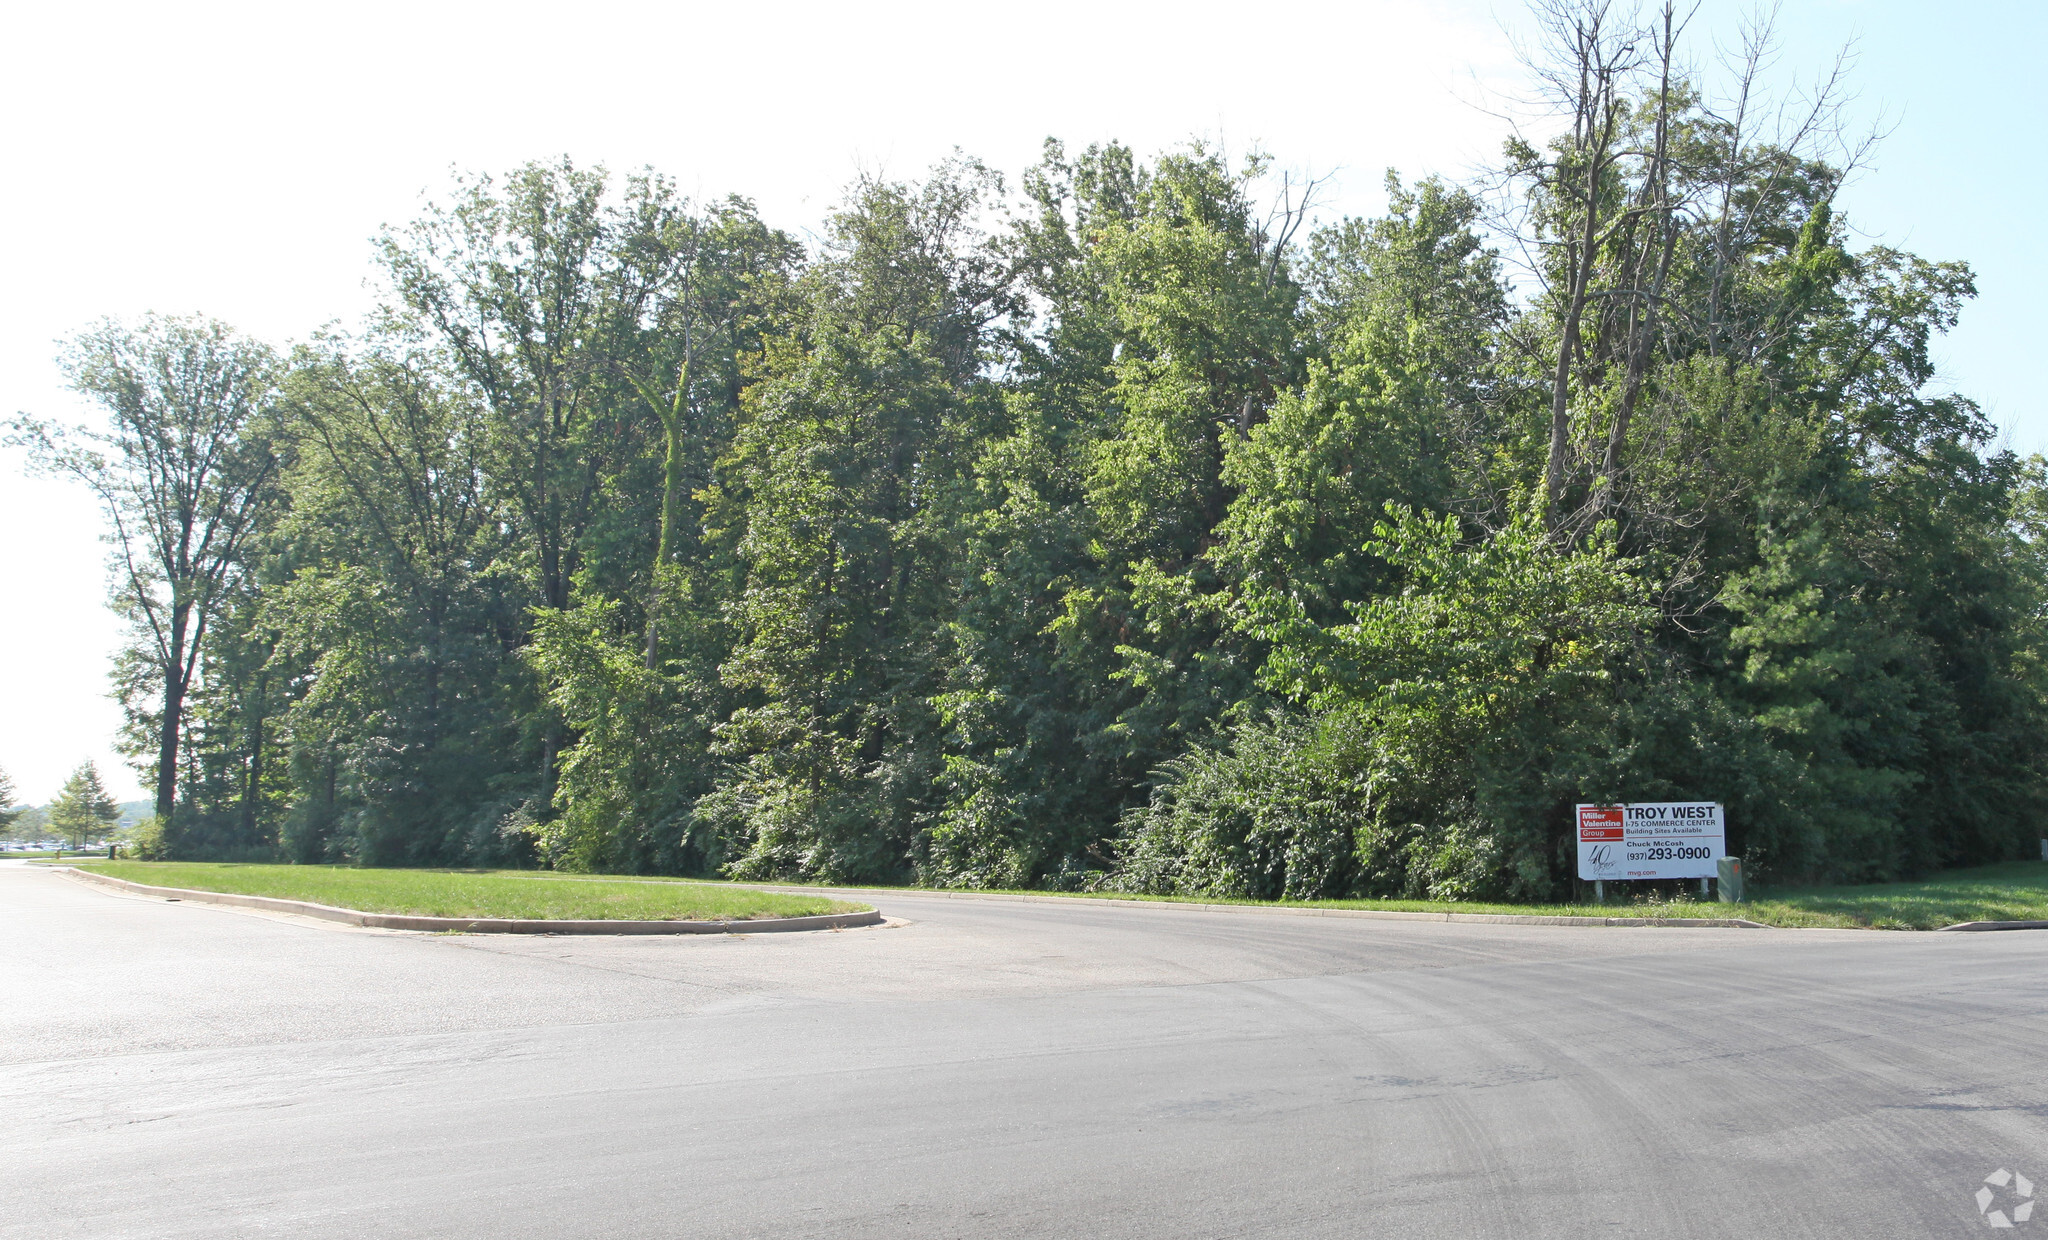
{"x":1650,"y":840}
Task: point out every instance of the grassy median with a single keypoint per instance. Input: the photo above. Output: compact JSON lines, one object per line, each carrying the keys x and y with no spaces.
{"x":471,"y":893}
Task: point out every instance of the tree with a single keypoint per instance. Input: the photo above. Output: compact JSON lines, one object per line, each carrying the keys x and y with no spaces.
{"x":7,"y":797}
{"x":709,"y":287}
{"x":1644,"y":221}
{"x":1086,"y":647}
{"x":383,"y":620}
{"x":1126,"y":532}
{"x":83,"y":809}
{"x":714,"y":286}
{"x":845,"y":470}
{"x":526,"y":288}
{"x":183,"y":471}
{"x":35,"y":823}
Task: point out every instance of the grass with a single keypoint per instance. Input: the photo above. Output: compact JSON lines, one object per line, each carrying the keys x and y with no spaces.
{"x":476,"y":893}
{"x":2010,"y":891}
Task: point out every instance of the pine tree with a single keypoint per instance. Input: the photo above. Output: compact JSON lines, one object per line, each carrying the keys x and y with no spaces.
{"x":7,"y":799}
{"x":83,"y":809}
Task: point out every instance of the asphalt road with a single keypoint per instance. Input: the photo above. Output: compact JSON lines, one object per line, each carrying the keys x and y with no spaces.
{"x":999,"y":1069}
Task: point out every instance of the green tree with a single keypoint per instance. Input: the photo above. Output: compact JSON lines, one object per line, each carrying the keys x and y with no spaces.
{"x":841,"y":488}
{"x":1406,"y":309}
{"x":184,"y":472}
{"x":531,"y":291}
{"x":385,"y":608}
{"x":9,"y":812}
{"x":1121,"y":535}
{"x":1090,"y":645}
{"x":83,"y":809}
{"x":643,"y":701}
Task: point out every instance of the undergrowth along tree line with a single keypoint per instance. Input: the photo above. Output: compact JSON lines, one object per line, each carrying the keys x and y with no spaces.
{"x":1127,"y":530}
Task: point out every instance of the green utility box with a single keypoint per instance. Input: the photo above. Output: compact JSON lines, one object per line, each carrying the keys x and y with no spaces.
{"x":1729,"y":879}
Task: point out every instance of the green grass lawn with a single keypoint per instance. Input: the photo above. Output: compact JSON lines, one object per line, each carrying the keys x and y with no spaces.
{"x":2012,"y":891}
{"x":472,"y":893}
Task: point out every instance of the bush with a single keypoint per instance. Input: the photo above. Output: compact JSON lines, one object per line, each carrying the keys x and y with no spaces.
{"x":145,"y":840}
{"x":1272,"y":812}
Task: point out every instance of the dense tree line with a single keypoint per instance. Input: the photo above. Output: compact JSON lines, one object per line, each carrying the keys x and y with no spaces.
{"x":1124,"y":531}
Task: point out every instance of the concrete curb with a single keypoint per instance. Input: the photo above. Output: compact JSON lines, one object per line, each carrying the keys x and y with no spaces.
{"x":483,"y":925}
{"x":1366,"y":914}
{"x":1998,"y":925}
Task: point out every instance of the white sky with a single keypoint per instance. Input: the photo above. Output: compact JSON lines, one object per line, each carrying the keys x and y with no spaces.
{"x":236,"y":158}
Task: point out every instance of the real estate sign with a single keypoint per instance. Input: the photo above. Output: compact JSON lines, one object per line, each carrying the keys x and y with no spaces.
{"x":1658,"y":839}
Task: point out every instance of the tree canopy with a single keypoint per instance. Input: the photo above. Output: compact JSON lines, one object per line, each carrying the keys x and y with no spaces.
{"x":9,"y":811}
{"x":1123,"y":529}
{"x":84,"y":808}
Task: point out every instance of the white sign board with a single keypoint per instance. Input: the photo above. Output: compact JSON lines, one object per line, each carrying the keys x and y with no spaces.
{"x":1663,"y":839}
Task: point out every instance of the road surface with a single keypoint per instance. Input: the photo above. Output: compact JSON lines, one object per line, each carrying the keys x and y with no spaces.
{"x":1005,"y":1069}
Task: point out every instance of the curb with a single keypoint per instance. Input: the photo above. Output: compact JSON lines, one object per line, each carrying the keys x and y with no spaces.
{"x":482,"y":925}
{"x":1998,"y":925}
{"x":1365,"y":914}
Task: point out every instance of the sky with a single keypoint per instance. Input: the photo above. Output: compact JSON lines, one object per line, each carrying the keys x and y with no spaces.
{"x":237,"y":159}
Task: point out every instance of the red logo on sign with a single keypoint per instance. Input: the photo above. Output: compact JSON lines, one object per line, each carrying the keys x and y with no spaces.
{"x":1596,"y":823}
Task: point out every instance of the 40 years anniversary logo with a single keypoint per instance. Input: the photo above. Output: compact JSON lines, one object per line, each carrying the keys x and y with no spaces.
{"x":2011,"y":1193}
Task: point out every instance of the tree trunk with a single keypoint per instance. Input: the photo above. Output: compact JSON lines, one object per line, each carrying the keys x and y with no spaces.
{"x":176,"y":683}
{"x":671,"y":500}
{"x":1642,"y":311}
{"x":252,"y":790}
{"x":1567,"y":344}
{"x":167,"y":749}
